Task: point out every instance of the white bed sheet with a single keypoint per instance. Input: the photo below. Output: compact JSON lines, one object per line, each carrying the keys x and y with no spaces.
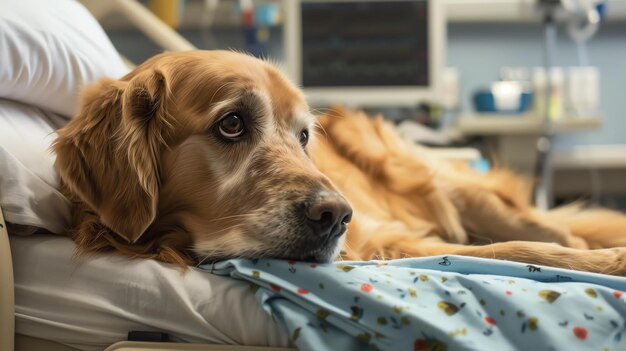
{"x":94,"y":302}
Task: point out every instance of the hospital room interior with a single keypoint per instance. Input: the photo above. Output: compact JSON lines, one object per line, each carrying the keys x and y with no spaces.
{"x":307,"y":175}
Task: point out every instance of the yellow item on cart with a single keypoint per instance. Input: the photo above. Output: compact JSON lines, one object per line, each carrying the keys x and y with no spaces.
{"x":168,"y":11}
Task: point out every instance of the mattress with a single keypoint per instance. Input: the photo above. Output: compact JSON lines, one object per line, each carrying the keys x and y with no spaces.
{"x":90,"y":303}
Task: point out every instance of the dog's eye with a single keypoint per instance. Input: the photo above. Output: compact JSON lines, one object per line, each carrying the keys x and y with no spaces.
{"x":304,"y":137}
{"x":231,"y":126}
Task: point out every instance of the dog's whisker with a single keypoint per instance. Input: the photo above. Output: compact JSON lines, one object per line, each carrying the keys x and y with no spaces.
{"x":202,"y":261}
{"x":234,"y":216}
{"x":328,"y":112}
{"x":319,"y":126}
{"x":490,"y":240}
{"x":218,"y":89}
{"x":322,"y":109}
{"x":228,"y":228}
{"x":319,"y":135}
{"x":220,"y":249}
{"x":347,"y":247}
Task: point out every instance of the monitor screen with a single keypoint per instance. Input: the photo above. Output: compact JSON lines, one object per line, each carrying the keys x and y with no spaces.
{"x":364,"y":43}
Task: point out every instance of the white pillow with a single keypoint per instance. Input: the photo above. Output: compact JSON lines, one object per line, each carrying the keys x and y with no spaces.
{"x":49,"y":49}
{"x":28,"y":182}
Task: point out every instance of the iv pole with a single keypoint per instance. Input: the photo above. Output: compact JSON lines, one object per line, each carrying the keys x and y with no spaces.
{"x":582,"y":12}
{"x":543,"y":166}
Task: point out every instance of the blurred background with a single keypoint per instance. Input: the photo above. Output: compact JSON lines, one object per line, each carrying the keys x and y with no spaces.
{"x":533,"y":85}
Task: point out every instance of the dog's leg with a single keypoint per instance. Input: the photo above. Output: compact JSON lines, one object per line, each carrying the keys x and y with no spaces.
{"x":496,"y":205}
{"x":414,"y":181}
{"x":377,"y":150}
{"x":607,"y":261}
{"x":599,"y":227}
{"x":492,"y":218}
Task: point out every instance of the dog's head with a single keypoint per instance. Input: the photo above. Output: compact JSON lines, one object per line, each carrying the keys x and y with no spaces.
{"x":211,"y":145}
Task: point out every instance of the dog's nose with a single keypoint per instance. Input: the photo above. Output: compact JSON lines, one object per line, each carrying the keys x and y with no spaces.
{"x":328,"y":214}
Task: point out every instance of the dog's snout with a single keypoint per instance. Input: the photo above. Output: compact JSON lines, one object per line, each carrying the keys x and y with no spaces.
{"x":328,"y":214}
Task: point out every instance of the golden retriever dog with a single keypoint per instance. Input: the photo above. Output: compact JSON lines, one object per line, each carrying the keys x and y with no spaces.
{"x":207,"y":155}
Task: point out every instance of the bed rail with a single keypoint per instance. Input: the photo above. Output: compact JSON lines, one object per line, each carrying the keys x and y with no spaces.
{"x":143,"y":19}
{"x":7,"y":291}
{"x":155,"y":346}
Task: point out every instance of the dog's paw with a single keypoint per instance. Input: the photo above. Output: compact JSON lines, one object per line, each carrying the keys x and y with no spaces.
{"x":614,"y":261}
{"x":604,"y":261}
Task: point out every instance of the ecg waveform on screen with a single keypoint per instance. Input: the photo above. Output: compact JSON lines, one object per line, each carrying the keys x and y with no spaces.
{"x":366,"y":70}
{"x":372,"y":43}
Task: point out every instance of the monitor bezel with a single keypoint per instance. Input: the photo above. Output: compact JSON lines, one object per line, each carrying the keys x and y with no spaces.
{"x":369,"y":96}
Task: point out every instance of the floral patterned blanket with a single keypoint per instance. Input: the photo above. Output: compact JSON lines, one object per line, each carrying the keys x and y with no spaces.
{"x":437,"y":303}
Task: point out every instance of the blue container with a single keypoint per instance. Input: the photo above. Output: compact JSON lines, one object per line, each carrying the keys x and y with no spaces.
{"x":484,"y":101}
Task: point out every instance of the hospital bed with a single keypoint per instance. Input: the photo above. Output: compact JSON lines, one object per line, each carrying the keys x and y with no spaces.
{"x":39,"y":311}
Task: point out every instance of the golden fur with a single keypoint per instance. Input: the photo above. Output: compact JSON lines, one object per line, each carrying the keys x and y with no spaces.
{"x":150,"y":179}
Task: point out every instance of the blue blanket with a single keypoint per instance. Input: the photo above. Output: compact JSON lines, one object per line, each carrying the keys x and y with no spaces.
{"x":437,"y":303}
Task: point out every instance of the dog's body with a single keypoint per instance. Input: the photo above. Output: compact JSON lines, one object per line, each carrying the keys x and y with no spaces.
{"x":408,"y":203}
{"x":205,"y":155}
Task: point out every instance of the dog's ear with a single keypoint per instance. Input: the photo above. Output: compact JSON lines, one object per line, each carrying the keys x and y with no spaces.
{"x":108,"y":155}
